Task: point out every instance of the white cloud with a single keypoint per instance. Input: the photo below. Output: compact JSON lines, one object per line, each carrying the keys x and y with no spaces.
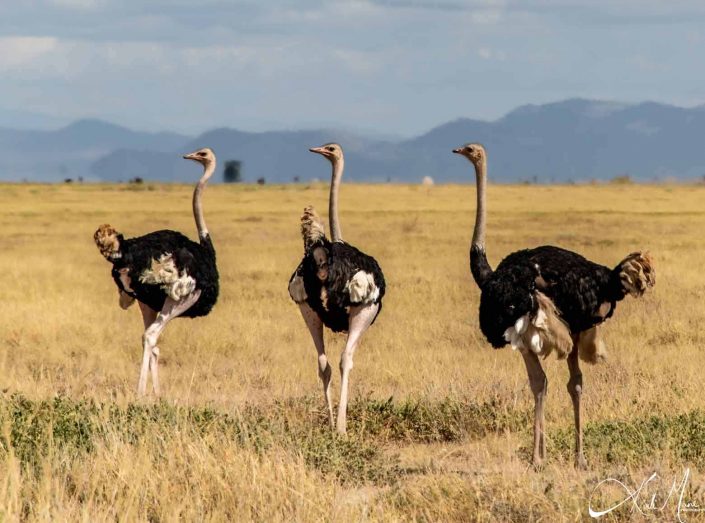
{"x":649,"y":64}
{"x":358,"y":62}
{"x":218,"y":56}
{"x":487,"y":53}
{"x":19,"y":51}
{"x":78,"y":4}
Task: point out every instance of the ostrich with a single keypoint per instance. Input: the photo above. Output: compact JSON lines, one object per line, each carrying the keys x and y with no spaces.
{"x":548,"y":299}
{"x":168,"y":274}
{"x":335,"y":285}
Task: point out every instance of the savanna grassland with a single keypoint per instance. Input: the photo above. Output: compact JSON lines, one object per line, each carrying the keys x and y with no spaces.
{"x":439,"y":425}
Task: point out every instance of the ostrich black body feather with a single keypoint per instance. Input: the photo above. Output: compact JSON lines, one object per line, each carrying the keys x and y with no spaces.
{"x":584,"y":292}
{"x":344,"y":261}
{"x":197,"y":260}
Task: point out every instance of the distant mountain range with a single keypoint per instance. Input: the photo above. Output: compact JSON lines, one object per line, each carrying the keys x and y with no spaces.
{"x":72,"y":151}
{"x":574,"y":140}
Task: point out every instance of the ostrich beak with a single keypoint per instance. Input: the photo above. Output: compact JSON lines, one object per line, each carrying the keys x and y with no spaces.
{"x":318,"y":150}
{"x":190,"y":156}
{"x":458,"y":151}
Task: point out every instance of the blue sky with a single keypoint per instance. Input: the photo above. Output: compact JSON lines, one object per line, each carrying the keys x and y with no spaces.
{"x":395,"y":67}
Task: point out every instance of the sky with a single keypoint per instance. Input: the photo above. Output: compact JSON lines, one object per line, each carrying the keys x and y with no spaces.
{"x":385,"y":67}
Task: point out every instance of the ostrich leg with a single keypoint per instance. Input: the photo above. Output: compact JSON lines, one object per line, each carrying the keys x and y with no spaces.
{"x":539,"y":386}
{"x":315,"y":327}
{"x":575,"y":389}
{"x":361,"y":317}
{"x":125,"y":300}
{"x":148,"y":317}
{"x":170,"y":310}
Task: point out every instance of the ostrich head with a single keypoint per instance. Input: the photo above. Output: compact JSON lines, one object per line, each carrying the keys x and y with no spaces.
{"x":473,"y":152}
{"x":204,"y":156}
{"x":332,"y":151}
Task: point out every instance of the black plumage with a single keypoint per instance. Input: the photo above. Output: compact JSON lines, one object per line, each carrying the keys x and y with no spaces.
{"x":330,"y":298}
{"x":196,"y":260}
{"x":584,"y":292}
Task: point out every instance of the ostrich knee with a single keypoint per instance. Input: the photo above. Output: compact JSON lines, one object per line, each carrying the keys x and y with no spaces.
{"x":150,"y":337}
{"x":538,"y":385}
{"x":346,"y":362}
{"x":575,"y":385}
{"x":149,"y":342}
{"x":324,"y":373}
{"x":324,"y":370}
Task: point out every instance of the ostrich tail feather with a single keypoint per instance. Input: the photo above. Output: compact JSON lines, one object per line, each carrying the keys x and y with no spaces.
{"x":636,"y":273}
{"x":312,"y":227}
{"x":107,"y":239}
{"x":591,"y":348}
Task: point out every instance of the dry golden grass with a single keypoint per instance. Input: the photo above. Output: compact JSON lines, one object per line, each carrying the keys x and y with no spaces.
{"x":240,"y":432}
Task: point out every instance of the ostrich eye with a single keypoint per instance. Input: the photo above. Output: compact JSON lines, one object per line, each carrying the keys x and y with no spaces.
{"x":330,"y":149}
{"x":201,"y":154}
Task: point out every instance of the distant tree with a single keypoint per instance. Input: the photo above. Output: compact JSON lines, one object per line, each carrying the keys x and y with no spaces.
{"x":296,"y":179}
{"x":68,"y":180}
{"x":261,"y":181}
{"x":137,"y":180}
{"x":232,"y":172}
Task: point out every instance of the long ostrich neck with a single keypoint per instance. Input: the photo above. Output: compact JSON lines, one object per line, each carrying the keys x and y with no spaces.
{"x":479,"y":266}
{"x":335,"y":233}
{"x":208,"y":171}
{"x":478,"y":235}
